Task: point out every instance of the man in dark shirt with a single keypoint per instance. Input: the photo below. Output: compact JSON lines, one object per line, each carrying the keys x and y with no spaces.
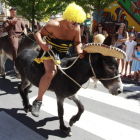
{"x":15,"y":27}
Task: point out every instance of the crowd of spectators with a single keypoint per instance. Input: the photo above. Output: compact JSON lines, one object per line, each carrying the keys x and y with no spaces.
{"x":128,"y":41}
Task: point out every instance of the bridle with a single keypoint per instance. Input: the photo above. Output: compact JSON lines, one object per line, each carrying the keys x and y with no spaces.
{"x":95,"y":78}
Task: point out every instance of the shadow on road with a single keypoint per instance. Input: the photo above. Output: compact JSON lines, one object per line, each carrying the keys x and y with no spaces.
{"x":9,"y":87}
{"x":30,"y":123}
{"x":136,"y":96}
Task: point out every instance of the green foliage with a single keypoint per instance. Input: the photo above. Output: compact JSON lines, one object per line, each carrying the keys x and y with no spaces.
{"x":38,"y":9}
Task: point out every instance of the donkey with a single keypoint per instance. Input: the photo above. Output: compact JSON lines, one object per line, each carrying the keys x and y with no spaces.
{"x":104,"y":67}
{"x":25,"y":42}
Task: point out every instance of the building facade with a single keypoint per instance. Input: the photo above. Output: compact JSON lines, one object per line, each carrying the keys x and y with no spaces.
{"x":120,"y":11}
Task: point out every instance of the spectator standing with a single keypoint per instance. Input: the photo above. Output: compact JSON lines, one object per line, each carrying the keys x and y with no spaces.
{"x":123,"y":37}
{"x":132,"y":31}
{"x":129,"y":48}
{"x":84,"y":35}
{"x":15,"y":27}
{"x":136,"y":62}
{"x":100,"y":30}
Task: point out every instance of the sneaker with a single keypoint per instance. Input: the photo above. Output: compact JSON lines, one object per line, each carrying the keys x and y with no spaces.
{"x":36,"y":108}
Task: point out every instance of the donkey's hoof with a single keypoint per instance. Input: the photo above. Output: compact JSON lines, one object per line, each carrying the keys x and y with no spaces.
{"x":26,"y":110}
{"x":71,"y":122}
{"x":68,"y":131}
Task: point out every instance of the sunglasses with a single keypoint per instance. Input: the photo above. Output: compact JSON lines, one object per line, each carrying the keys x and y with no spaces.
{"x":99,"y":26}
{"x":75,"y":24}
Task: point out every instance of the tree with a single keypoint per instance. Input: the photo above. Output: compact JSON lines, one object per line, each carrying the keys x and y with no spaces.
{"x":36,"y":9}
{"x":94,"y":5}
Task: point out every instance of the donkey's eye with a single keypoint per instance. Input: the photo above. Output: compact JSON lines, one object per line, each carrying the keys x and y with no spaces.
{"x":111,"y":67}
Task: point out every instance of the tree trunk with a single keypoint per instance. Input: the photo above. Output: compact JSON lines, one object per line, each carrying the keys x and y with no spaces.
{"x":99,"y":15}
{"x":99,"y":11}
{"x":33,"y":17}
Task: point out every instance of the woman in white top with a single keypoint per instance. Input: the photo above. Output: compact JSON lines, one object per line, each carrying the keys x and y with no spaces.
{"x":123,"y":37}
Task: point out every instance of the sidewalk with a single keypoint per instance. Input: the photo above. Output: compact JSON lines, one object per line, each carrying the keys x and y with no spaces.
{"x":129,"y":81}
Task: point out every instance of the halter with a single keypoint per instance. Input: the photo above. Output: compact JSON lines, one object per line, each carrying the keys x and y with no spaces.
{"x":94,"y":78}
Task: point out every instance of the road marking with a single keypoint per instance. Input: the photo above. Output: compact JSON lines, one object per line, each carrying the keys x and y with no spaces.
{"x":95,"y":124}
{"x":127,"y":104}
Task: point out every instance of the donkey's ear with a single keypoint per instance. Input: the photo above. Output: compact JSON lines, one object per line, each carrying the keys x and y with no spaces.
{"x":114,"y":39}
{"x":107,"y":41}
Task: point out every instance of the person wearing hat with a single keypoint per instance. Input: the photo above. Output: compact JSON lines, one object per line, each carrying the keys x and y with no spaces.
{"x":136,"y":62}
{"x":59,"y":34}
{"x":15,"y":27}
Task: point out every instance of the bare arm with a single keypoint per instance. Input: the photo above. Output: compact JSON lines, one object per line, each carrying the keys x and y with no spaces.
{"x":125,"y":48}
{"x":78,"y":44}
{"x":123,"y":40}
{"x":41,"y":33}
{"x":94,"y":35}
{"x":133,"y":56}
{"x":106,"y":34}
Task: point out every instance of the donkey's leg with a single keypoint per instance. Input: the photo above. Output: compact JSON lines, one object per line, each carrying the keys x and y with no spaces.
{"x":80,"y":110}
{"x":26,"y":91}
{"x":3,"y":58}
{"x":23,"y":89}
{"x":65,"y":129}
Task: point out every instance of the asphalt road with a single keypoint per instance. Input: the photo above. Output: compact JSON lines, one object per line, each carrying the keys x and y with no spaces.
{"x":106,"y":117}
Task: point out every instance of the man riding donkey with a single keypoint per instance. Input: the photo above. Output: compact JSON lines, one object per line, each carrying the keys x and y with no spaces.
{"x":59,"y":34}
{"x":15,"y":27}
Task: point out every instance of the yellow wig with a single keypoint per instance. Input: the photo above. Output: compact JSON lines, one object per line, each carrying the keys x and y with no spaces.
{"x":74,"y":13}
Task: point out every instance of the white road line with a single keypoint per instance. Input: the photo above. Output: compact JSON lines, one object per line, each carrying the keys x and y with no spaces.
{"x":95,"y":124}
{"x":117,"y":101}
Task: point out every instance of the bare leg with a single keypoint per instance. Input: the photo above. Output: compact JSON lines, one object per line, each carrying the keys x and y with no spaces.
{"x":139,"y":75}
{"x":122,"y":61}
{"x":130,"y":63}
{"x":126,"y":65}
{"x":135,"y":75}
{"x":50,"y":71}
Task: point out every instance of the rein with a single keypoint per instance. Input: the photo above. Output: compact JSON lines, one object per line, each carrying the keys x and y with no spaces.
{"x":61,"y":69}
